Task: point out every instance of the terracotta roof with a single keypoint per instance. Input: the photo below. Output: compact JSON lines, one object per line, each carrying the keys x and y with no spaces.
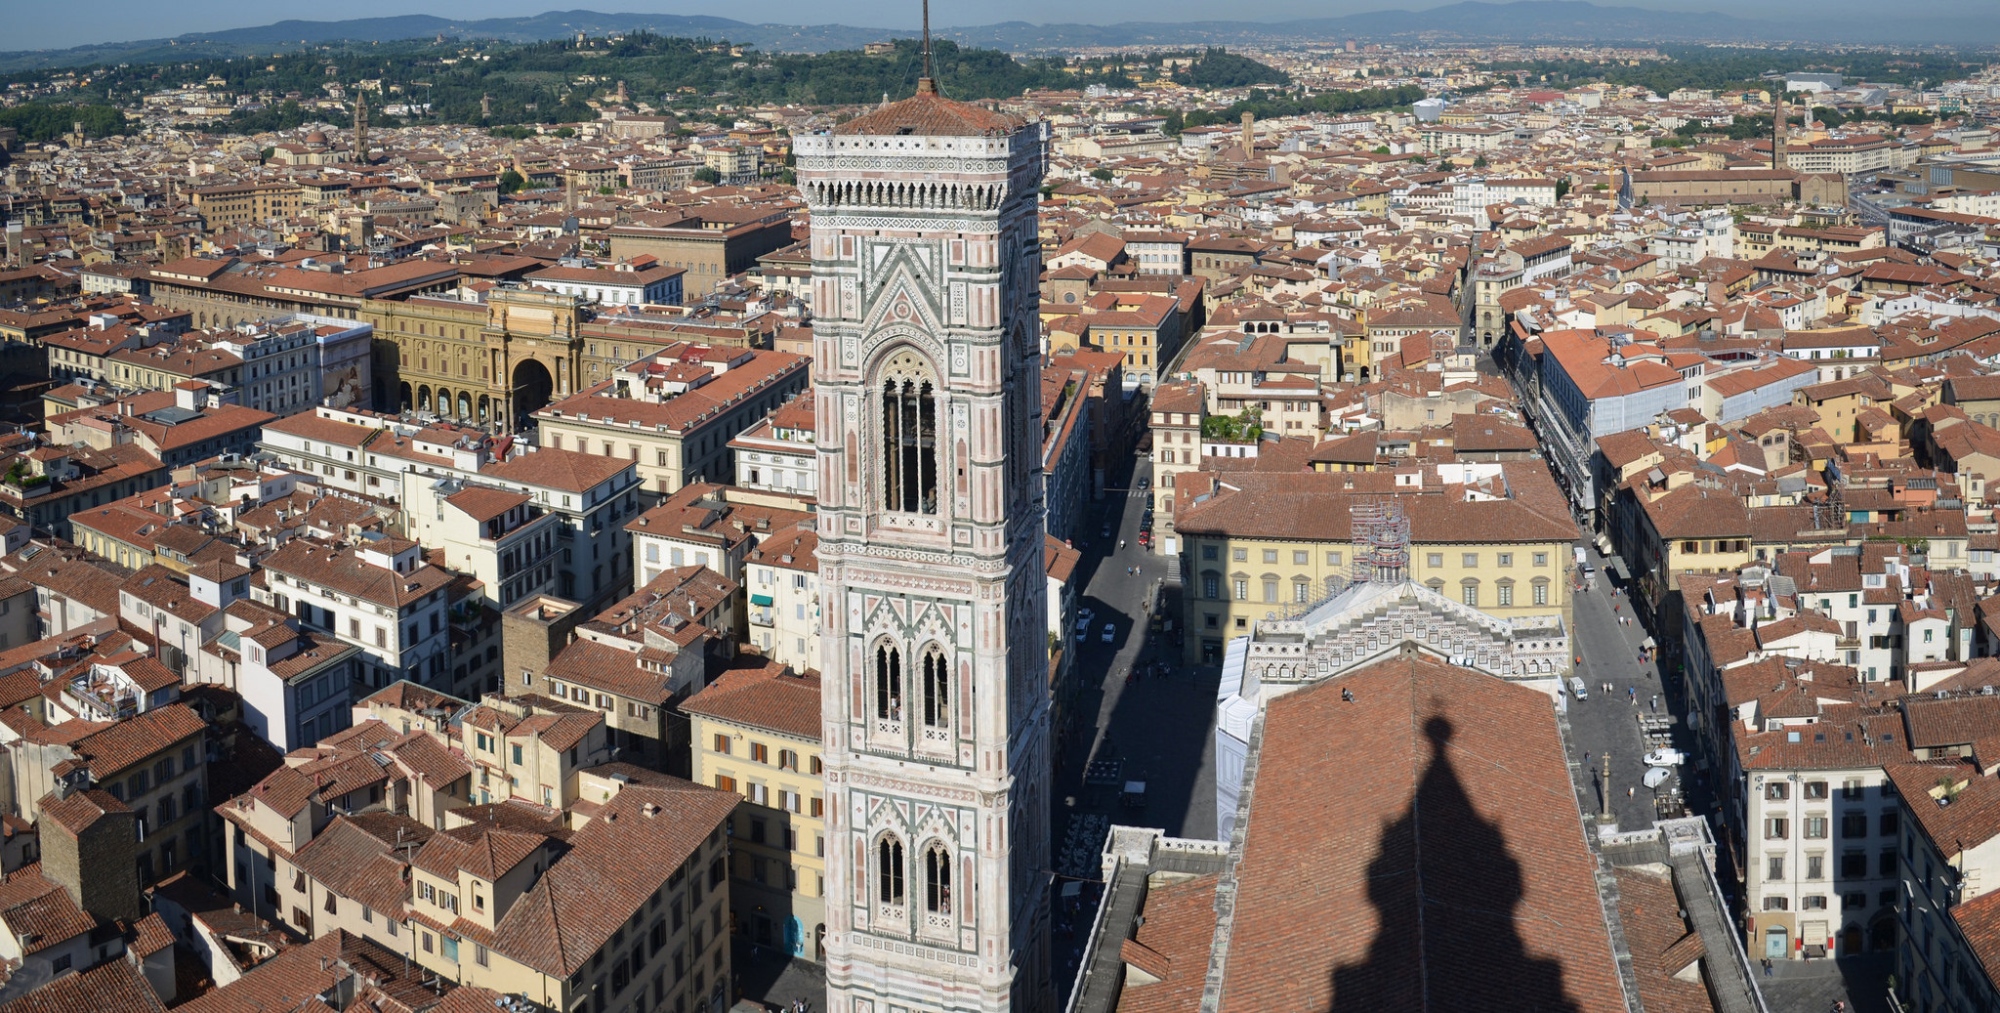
{"x":615,"y":865}
{"x":768,"y":696}
{"x":115,"y":986}
{"x":150,"y":935}
{"x":138,"y":739}
{"x":600,"y":666}
{"x":486,"y":852}
{"x":566,"y":470}
{"x":40,"y":913}
{"x":1446,"y":861}
{"x":1172,"y":944}
{"x":78,"y":811}
{"x":1978,"y":921}
{"x":1314,"y":506}
{"x":363,"y":859}
{"x":1661,"y":941}
{"x":294,"y":979}
{"x":343,"y":570}
{"x":1968,"y":820}
{"x":483,"y":504}
{"x":928,"y":114}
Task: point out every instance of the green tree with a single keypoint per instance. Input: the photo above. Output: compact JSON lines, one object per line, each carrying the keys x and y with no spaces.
{"x":511,"y":182}
{"x":1101,"y":174}
{"x":1216,"y":67}
{"x":1562,"y":188}
{"x":1479,"y":162}
{"x":1381,"y":149}
{"x":47,"y":121}
{"x":1174,"y":124}
{"x":706,"y":175}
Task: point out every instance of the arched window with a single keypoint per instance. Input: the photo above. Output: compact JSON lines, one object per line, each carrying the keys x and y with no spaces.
{"x":888,"y":683}
{"x":937,"y":879}
{"x":909,"y":436}
{"x":889,"y":869}
{"x":937,"y":690}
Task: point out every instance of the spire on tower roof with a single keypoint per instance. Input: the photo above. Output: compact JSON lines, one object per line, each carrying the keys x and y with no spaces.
{"x":927,"y":84}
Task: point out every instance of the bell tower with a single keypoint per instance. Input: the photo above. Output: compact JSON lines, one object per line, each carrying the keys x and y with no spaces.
{"x":935,"y":644}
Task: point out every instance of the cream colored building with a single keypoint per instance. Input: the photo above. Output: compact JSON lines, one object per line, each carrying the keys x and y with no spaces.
{"x":524,"y":749}
{"x":781,"y":576}
{"x":619,"y":900}
{"x":500,"y":537}
{"x":674,"y":413}
{"x":756,"y":732}
{"x":1255,"y":546}
{"x":1177,"y":411}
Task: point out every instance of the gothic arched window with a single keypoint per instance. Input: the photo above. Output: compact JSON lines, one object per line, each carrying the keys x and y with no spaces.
{"x":889,"y":869}
{"x":888,"y":683}
{"x":909,"y":436}
{"x":937,"y":879}
{"x":937,"y":689}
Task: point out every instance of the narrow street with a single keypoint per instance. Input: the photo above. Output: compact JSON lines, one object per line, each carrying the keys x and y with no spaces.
{"x":1140,"y":715}
{"x":1615,"y":721}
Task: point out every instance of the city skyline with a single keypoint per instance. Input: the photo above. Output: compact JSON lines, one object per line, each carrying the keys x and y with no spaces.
{"x":38,"y":27}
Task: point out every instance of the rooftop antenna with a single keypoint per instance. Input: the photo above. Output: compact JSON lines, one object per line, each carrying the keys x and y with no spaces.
{"x":926,"y":85}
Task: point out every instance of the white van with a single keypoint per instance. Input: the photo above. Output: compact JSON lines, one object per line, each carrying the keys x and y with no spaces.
{"x":1576,"y":688}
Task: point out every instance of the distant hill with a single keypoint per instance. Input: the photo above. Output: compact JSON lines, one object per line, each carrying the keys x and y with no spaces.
{"x":1523,"y":20}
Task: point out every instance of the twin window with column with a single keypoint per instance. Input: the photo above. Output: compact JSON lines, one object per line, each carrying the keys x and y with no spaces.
{"x":934,"y":687}
{"x":889,"y":874}
{"x":909,"y":437}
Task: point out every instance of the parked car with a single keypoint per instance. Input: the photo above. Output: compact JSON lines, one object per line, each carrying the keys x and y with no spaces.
{"x":1145,"y":484}
{"x":1656,"y":776}
{"x":1576,"y":689}
{"x":1665,"y":756}
{"x":1110,"y":633}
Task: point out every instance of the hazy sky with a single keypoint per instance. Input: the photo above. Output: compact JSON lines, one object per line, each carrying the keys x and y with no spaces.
{"x":34,"y":24}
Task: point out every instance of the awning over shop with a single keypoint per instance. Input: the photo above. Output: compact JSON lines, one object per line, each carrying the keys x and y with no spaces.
{"x":1617,"y":566}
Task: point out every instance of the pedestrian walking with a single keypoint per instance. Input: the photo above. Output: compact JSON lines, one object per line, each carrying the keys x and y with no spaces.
{"x":1629,"y":791}
{"x":1767,"y":967}
{"x":1586,"y":757}
{"x":1633,"y":693}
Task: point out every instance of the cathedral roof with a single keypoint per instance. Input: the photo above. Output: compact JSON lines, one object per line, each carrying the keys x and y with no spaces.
{"x":928,"y":114}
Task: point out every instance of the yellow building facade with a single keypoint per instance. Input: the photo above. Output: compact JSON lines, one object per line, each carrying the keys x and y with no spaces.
{"x":756,"y":732}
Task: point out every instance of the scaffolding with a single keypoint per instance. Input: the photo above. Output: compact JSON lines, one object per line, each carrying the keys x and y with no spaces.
{"x":1381,"y":542}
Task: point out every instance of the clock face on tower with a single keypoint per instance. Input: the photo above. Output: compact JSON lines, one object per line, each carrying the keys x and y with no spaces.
{"x":935,"y":647}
